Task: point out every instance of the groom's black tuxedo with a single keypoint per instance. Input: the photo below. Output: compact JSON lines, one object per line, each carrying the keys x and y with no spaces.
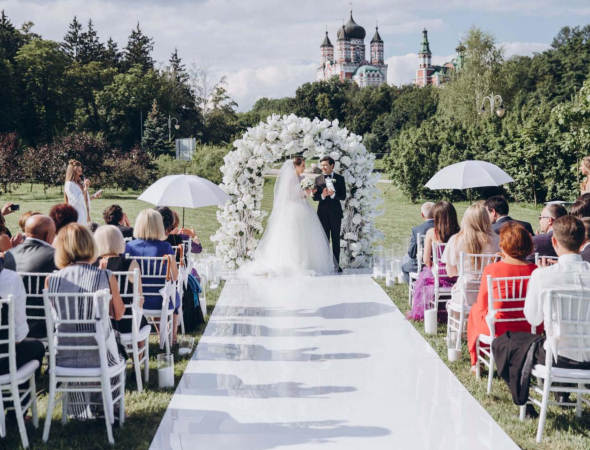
{"x":330,"y":209}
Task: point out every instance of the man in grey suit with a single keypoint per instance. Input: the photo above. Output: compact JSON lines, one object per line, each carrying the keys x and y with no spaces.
{"x":34,"y":255}
{"x":412,"y":264}
{"x":498,"y":208}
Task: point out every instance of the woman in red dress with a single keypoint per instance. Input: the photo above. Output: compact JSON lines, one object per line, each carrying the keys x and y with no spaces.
{"x":515,"y":245}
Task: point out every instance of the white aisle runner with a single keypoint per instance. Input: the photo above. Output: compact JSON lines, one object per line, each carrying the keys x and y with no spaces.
{"x":319,"y":363}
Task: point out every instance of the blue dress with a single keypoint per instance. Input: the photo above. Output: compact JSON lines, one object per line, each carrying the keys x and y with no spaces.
{"x":152,"y":248}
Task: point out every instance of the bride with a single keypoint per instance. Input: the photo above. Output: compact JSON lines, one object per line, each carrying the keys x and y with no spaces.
{"x":294,"y":243}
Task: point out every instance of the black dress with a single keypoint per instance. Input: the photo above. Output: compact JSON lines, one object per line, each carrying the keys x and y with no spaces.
{"x":121,"y":264}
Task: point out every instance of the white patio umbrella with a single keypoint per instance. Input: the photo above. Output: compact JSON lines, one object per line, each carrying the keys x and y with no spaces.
{"x":469,"y":174}
{"x":184,"y":191}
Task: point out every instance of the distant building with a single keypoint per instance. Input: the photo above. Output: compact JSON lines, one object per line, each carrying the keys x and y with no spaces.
{"x":427,"y":73}
{"x":349,"y":63}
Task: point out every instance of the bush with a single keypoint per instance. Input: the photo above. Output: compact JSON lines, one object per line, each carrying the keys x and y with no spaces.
{"x":11,"y":172}
{"x":206,"y":163}
{"x":132,"y":170}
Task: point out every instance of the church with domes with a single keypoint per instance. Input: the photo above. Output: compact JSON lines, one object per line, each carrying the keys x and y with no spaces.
{"x":349,"y":62}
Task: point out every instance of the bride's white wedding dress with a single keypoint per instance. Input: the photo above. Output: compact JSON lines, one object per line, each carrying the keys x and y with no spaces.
{"x":294,"y":243}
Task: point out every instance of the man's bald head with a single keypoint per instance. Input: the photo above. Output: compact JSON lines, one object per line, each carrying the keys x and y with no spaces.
{"x":40,"y":227}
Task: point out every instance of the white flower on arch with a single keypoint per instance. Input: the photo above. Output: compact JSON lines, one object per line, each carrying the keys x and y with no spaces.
{"x":243,"y":180}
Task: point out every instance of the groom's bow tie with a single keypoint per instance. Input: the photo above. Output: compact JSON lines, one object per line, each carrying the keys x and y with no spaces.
{"x":327,"y":176}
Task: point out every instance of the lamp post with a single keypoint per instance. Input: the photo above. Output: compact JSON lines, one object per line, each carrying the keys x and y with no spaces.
{"x":176,"y":126}
{"x":493,"y":101}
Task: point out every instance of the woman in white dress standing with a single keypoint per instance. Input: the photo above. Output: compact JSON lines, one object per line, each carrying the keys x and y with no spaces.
{"x":76,"y":191}
{"x":294,"y":243}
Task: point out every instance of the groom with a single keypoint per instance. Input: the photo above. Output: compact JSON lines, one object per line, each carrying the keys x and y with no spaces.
{"x":329,"y":191}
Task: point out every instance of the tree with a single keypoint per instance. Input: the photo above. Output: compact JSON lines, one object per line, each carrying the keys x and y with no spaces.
{"x":112,"y":56}
{"x":90,"y":48}
{"x":221,"y":119}
{"x":10,"y":38}
{"x":155,"y":133}
{"x":130,"y":170}
{"x":71,"y":42}
{"x":139,"y":49}
{"x":46,"y":165}
{"x":11,"y":173}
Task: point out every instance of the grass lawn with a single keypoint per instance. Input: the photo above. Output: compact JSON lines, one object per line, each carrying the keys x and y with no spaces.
{"x":145,"y":410}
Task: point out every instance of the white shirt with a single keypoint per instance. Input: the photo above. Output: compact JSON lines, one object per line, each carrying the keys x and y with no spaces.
{"x":12,"y":284}
{"x":569,"y":273}
{"x":76,"y":199}
{"x":331,"y":176}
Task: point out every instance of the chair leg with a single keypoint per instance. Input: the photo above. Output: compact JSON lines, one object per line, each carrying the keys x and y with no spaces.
{"x":544,"y":407}
{"x":477,"y":360}
{"x":491,"y":371}
{"x":122,"y":399}
{"x":136,"y":366}
{"x":460,"y":331}
{"x":522,"y":414}
{"x":18,"y":411}
{"x":64,"y":405}
{"x":34,"y":412}
{"x":106,"y":390}
{"x":146,"y":364}
{"x":50,"y":406}
{"x":579,"y":401}
{"x":2,"y":417}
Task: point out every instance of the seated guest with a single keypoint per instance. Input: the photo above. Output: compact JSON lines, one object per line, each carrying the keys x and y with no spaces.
{"x":445,"y":226}
{"x":62,"y":215}
{"x":186,"y":234}
{"x":23,"y":219}
{"x":542,"y":242}
{"x":34,"y":255}
{"x":585,"y":249}
{"x":93,"y":226}
{"x":26,"y":350}
{"x":580,"y":208}
{"x":75,"y":251}
{"x":516,"y":244}
{"x":111,"y":249}
{"x":498,"y":208}
{"x":570,"y":271}
{"x":6,"y":241}
{"x":114,"y":215}
{"x":175,"y":235}
{"x":149,"y":241}
{"x":476,"y":237}
{"x":412,"y":264}
{"x":584,"y":197}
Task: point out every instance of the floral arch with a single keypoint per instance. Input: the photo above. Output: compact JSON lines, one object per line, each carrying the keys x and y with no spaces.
{"x":268,"y":143}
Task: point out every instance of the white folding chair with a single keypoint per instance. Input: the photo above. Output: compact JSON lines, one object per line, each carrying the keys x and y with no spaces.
{"x":549,"y":259}
{"x":9,"y":383}
{"x":511,"y":293}
{"x":420,"y":259}
{"x":80,"y":322}
{"x":34,"y":284}
{"x":439,"y":270}
{"x":570,"y":311}
{"x":156,"y":274}
{"x":129,"y":289}
{"x":471,"y":268}
{"x":128,"y":239}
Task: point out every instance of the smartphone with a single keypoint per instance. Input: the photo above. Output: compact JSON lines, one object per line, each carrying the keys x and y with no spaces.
{"x":98,"y":192}
{"x":14,"y":207}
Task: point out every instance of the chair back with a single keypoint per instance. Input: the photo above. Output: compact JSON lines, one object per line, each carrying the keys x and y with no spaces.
{"x":438,"y":268}
{"x":420,"y":251}
{"x":549,"y":259}
{"x":506,"y":296}
{"x":471,"y":268}
{"x":568,"y":327}
{"x":34,"y":284}
{"x":129,"y":290}
{"x":128,"y":239}
{"x":155,"y":270}
{"x":7,"y":334}
{"x":77,"y":322}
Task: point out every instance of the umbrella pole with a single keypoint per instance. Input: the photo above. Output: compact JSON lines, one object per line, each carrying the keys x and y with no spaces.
{"x":182,"y":217}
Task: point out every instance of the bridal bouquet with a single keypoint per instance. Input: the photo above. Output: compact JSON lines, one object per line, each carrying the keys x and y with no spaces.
{"x":307,"y":184}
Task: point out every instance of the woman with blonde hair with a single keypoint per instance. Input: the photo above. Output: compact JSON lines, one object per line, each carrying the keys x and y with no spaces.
{"x":585,"y":170}
{"x":76,"y":191}
{"x":476,"y":237}
{"x":150,"y":235}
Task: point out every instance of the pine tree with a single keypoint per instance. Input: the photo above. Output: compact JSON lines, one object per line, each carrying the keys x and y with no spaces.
{"x":112,"y":56}
{"x":138,"y":50}
{"x":71,"y":42}
{"x":90,"y":48}
{"x":178,"y":68}
{"x":155,"y":133}
{"x":10,"y":38}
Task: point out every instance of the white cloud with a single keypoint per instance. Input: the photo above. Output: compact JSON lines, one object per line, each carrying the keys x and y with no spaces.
{"x":523,"y":48}
{"x":248,"y":85}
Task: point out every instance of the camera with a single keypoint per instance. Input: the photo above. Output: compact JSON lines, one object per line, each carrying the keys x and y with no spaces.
{"x":14,"y":207}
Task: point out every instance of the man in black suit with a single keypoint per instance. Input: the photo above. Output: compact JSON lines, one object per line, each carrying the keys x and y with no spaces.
{"x":497,"y":207}
{"x":412,"y":265}
{"x":34,"y":255}
{"x":330,"y":190}
{"x":543,"y":245}
{"x":114,"y":215}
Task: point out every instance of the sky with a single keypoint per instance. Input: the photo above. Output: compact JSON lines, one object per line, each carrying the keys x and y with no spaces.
{"x":267,"y":48}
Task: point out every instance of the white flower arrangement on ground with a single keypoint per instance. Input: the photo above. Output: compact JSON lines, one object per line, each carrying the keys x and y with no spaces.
{"x":282,"y":137}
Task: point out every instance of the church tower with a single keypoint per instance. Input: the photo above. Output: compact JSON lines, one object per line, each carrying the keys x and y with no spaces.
{"x":326,"y":51}
{"x":425,"y":55}
{"x":343,"y":46}
{"x":377,"y":49}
